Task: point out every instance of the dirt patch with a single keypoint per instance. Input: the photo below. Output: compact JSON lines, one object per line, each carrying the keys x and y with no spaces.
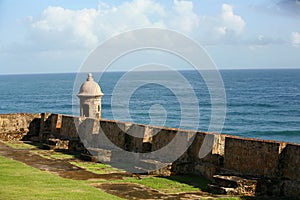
{"x":60,"y":167}
{"x":65,"y":169}
{"x":136,"y":191}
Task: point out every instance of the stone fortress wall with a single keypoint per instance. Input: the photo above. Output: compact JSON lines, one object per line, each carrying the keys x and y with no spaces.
{"x":274,"y":165}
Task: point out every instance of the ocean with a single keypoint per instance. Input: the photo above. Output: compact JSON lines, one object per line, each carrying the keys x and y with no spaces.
{"x":261,"y":104}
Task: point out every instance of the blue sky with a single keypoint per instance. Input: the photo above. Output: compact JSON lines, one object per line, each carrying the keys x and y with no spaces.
{"x":52,"y":36}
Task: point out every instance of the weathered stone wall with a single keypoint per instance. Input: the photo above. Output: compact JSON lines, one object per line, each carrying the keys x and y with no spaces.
{"x":113,"y":131}
{"x":198,"y":152}
{"x":290,"y":170}
{"x":16,"y":122}
{"x":68,"y":128}
{"x":277,"y":163}
{"x":45,"y":127}
{"x":290,"y":162}
{"x":203,"y":156}
{"x":15,"y":126}
{"x":252,"y":157}
{"x":55,"y":125}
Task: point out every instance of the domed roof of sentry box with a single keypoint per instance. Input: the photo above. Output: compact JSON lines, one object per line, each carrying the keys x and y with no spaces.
{"x":90,"y":88}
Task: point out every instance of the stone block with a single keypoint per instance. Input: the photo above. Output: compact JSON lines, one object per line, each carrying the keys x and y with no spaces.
{"x":290,"y":162}
{"x":291,"y":189}
{"x":252,"y":157}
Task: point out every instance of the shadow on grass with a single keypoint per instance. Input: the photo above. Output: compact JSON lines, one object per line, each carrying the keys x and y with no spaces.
{"x":67,"y":152}
{"x":264,"y":198}
{"x":192,"y":180}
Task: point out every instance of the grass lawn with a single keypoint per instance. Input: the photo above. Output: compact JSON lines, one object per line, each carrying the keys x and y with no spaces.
{"x":163,"y":184}
{"x":97,"y":168}
{"x":50,"y":154}
{"x":19,"y":181}
{"x":168,"y":184}
{"x":19,"y":145}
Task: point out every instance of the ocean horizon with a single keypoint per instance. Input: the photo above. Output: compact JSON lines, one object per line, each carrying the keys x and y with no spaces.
{"x":260,"y":103}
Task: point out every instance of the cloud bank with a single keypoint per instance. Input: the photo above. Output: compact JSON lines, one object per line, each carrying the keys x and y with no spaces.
{"x":62,"y":38}
{"x":60,"y":28}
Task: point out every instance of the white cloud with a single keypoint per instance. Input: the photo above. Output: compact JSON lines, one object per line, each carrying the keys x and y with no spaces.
{"x":184,"y":18}
{"x":129,"y":15}
{"x":227,"y":27}
{"x":231,"y":21}
{"x":87,"y":27}
{"x":295,"y":36}
{"x":229,"y":24}
{"x":60,"y":28}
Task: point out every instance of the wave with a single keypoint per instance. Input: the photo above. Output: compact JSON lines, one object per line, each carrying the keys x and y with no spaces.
{"x":275,"y":133}
{"x":256,"y":105}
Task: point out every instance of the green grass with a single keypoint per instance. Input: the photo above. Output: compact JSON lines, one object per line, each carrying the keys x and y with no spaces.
{"x":194,"y":180}
{"x":53,"y":154}
{"x":49,"y":154}
{"x":163,"y":184}
{"x":173,"y":184}
{"x":19,"y":145}
{"x":61,"y":156}
{"x":97,"y":168}
{"x":222,"y":198}
{"x":19,"y":181}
